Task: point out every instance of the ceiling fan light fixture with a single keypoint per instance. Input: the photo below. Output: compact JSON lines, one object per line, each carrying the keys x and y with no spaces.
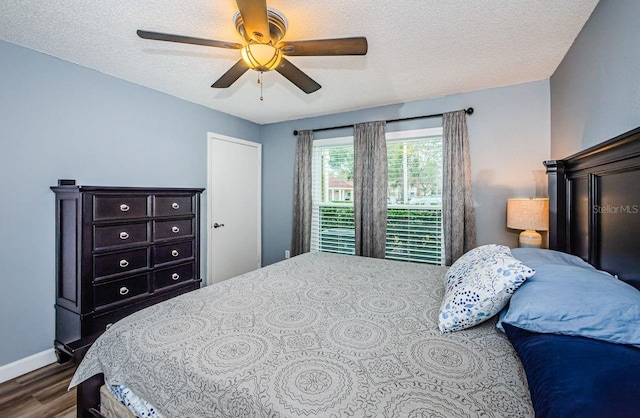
{"x":263,"y":29}
{"x":261,"y":57}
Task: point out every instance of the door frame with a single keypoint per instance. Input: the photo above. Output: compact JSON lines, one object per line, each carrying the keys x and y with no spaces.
{"x":211,"y":136}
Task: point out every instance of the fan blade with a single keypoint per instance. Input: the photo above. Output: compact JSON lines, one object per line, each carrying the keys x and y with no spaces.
{"x":157,"y":36}
{"x":320,"y":47}
{"x":297,"y":77}
{"x":254,"y":16}
{"x":231,"y":75}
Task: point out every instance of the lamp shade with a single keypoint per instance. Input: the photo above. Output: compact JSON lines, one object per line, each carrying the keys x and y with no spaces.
{"x":528,"y":213}
{"x":261,"y":57}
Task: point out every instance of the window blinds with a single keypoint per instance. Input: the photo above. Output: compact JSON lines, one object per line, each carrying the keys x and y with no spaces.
{"x":414,"y":226}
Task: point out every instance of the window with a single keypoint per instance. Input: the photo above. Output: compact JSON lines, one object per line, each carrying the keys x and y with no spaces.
{"x":414,"y":197}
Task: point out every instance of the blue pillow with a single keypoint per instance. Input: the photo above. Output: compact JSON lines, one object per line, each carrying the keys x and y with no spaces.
{"x":572,"y":300}
{"x":534,"y":257}
{"x":578,"y":377}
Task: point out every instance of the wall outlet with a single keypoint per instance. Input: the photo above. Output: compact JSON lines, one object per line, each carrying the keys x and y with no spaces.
{"x":287,"y":254}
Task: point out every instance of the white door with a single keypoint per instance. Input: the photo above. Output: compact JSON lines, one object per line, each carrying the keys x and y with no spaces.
{"x":233,"y":200}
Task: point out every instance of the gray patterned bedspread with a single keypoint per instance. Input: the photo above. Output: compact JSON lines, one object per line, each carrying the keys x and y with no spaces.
{"x":317,"y":335}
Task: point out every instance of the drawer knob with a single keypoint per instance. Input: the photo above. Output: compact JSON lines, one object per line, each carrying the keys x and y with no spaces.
{"x":175,"y":253}
{"x":124,"y":235}
{"x":175,"y":205}
{"x":124,"y":207}
{"x":175,"y":229}
{"x":124,"y":263}
{"x":175,"y":276}
{"x":109,"y":325}
{"x":124,"y":290}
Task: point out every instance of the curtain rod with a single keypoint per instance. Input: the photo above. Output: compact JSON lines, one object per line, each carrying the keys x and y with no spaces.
{"x":468,"y":111}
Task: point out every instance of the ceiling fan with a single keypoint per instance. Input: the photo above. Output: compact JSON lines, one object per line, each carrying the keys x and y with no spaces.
{"x":263,"y":29}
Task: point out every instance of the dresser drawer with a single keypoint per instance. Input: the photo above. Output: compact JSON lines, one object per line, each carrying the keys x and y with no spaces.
{"x":120,"y":207}
{"x":120,"y":290}
{"x":172,"y":205}
{"x":173,"y":229}
{"x":108,"y":264}
{"x":172,"y":275}
{"x":172,"y":252}
{"x":103,"y":322}
{"x":118,"y":235}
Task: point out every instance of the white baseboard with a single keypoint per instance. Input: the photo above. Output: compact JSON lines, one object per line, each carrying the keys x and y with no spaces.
{"x":27,"y":364}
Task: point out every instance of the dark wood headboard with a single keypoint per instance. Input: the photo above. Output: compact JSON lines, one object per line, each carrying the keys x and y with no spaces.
{"x":594,"y":205}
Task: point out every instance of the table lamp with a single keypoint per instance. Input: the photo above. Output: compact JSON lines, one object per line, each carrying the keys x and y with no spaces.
{"x":529,"y":214}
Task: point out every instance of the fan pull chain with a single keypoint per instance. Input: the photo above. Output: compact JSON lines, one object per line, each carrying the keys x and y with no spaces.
{"x":260,"y":82}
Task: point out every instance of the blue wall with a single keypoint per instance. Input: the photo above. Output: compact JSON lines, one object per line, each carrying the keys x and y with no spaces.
{"x":61,"y":120}
{"x":595,"y":92}
{"x":509,"y":137}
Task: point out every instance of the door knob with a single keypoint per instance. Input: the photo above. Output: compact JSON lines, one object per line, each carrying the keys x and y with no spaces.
{"x":217,"y":225}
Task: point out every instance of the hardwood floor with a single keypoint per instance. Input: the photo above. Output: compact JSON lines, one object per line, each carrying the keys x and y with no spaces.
{"x":41,"y":393}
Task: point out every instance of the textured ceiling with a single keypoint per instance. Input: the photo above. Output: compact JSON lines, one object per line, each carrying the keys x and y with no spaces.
{"x":418,"y":49}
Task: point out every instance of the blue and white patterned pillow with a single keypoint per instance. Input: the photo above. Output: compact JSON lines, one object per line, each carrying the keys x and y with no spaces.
{"x":480,"y":290}
{"x":469,"y":259}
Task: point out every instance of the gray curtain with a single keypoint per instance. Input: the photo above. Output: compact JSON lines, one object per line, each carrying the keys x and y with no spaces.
{"x":301,"y":236}
{"x":458,"y":218}
{"x":370,"y":188}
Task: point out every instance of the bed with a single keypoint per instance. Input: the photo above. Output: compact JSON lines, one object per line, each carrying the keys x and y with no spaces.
{"x":330,"y":335}
{"x":317,"y":335}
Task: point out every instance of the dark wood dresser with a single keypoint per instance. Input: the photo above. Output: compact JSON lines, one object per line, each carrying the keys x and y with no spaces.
{"x":118,"y":250}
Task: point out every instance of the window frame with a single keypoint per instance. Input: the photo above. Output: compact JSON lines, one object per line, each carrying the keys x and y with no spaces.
{"x":390,"y":137}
